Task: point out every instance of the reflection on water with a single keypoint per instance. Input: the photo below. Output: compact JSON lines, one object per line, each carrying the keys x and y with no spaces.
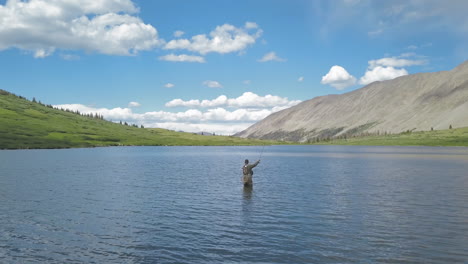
{"x":247,"y":191}
{"x":311,"y":204}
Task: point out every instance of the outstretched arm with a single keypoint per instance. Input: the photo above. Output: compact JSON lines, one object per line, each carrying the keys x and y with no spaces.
{"x":255,"y":164}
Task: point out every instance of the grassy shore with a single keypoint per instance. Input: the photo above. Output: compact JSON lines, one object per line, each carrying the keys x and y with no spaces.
{"x":449,"y":137}
{"x":25,"y":124}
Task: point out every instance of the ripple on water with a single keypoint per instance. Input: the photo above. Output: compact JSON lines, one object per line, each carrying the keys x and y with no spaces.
{"x":309,"y":204}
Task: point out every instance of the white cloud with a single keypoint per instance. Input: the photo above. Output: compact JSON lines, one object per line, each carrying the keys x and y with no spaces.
{"x":178,"y":33}
{"x":182,"y":58}
{"x":271,"y":56}
{"x":117,"y":113}
{"x":180,"y":102}
{"x":249,"y":99}
{"x":42,"y":53}
{"x":246,"y":100}
{"x":338,"y":78}
{"x":244,"y":111}
{"x":395,"y":62}
{"x":223,"y":39}
{"x":212,"y":84}
{"x":134,"y":104}
{"x":222,"y":100}
{"x":218,"y":120}
{"x":169,"y":85}
{"x":102,"y":26}
{"x":390,"y":67}
{"x":380,"y":73}
{"x":247,"y":82}
{"x":300,"y":79}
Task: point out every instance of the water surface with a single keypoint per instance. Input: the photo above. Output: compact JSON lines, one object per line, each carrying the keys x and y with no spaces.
{"x":309,"y":204}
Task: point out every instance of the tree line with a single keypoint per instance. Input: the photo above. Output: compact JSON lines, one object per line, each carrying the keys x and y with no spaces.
{"x":96,"y":116}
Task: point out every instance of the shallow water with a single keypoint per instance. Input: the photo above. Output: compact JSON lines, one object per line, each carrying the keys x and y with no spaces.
{"x":309,"y":204}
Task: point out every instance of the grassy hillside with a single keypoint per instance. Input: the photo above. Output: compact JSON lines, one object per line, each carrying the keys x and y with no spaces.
{"x":449,"y":137}
{"x":26,"y":124}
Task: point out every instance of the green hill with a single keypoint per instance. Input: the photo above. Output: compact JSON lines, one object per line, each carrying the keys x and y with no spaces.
{"x":29,"y":124}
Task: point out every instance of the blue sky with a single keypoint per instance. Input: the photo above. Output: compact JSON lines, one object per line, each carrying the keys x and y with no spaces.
{"x":217,"y":66}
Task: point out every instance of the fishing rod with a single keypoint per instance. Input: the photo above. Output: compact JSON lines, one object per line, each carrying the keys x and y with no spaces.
{"x":261,"y":153}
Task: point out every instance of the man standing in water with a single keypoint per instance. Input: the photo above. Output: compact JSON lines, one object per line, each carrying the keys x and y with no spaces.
{"x":248,"y":172}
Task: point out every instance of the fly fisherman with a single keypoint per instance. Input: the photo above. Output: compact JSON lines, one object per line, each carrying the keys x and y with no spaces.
{"x":248,"y":172}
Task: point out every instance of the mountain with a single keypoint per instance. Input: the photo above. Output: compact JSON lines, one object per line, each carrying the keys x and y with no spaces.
{"x":31,"y":124}
{"x":418,"y":102}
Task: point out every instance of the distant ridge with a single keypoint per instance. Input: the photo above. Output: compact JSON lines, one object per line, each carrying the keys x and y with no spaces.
{"x":418,"y":102}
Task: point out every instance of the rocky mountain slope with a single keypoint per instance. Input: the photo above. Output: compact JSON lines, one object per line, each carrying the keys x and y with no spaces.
{"x":417,"y":102}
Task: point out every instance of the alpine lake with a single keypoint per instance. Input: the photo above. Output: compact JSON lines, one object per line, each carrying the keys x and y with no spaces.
{"x":308,"y":204}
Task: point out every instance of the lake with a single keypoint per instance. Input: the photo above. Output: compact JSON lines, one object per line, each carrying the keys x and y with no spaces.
{"x":309,"y":204}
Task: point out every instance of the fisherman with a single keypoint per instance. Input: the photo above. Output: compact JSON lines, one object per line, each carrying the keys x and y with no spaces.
{"x":248,"y":172}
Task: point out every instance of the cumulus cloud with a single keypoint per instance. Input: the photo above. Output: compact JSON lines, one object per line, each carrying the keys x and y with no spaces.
{"x":134,"y":104}
{"x":110,"y":27}
{"x":193,"y":120}
{"x":102,"y":26}
{"x":223,"y":39}
{"x":271,"y":56}
{"x":390,"y":67}
{"x":246,"y":100}
{"x":222,"y":115}
{"x":113,"y":114}
{"x":169,"y":85}
{"x":182,"y":58}
{"x":380,"y":73}
{"x":212,"y":84}
{"x":180,"y":102}
{"x":338,"y":78}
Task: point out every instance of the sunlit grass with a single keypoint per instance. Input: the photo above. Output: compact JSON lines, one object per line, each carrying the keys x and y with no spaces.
{"x":26,"y":124}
